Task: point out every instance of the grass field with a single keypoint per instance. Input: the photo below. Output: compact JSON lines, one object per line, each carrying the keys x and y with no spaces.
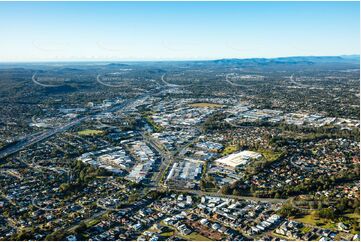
{"x":353,"y":215}
{"x":167,"y":234}
{"x":195,"y":237}
{"x":312,"y":219}
{"x":269,"y":155}
{"x":229,"y":150}
{"x":285,"y":238}
{"x":92,"y":222}
{"x":205,"y":105}
{"x":90,"y":132}
{"x":305,"y":229}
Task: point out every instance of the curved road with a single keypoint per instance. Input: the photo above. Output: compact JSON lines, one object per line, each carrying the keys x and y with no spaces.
{"x":106,"y":84}
{"x":293,"y":81}
{"x":172,"y":85}
{"x":232,"y":83}
{"x":41,"y":84}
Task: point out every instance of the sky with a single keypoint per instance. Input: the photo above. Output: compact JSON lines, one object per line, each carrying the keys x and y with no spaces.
{"x":71,"y":31}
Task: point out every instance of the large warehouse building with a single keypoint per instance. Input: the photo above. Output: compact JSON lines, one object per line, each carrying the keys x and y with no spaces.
{"x":238,"y":159}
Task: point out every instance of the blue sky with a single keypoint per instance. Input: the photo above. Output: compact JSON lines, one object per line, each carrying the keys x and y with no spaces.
{"x":41,"y":31}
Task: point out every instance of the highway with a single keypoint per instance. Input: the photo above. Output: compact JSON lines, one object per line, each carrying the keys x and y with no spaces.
{"x":33,"y":78}
{"x":293,"y":81}
{"x":232,"y":83}
{"x":172,"y":85}
{"x":107,"y":84}
{"x":34,"y":138}
{"x":167,"y":83}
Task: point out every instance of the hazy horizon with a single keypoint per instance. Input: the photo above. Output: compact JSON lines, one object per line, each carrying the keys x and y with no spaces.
{"x":169,"y":60}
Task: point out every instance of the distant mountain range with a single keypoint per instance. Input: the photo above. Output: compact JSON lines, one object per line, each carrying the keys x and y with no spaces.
{"x":352,"y":59}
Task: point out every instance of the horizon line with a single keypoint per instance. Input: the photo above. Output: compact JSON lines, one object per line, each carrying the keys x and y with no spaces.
{"x":94,"y":60}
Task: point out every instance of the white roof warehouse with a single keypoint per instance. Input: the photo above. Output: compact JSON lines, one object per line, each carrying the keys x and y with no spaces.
{"x":238,"y":159}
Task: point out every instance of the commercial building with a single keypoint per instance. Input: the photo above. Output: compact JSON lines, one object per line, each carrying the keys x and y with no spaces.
{"x":238,"y":159}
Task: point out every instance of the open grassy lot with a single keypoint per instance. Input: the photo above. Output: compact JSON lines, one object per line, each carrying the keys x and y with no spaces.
{"x":285,"y":238}
{"x":313,"y":219}
{"x":205,"y":105}
{"x":305,"y":229}
{"x":90,"y":132}
{"x":229,"y":150}
{"x":167,"y":234}
{"x":92,"y":222}
{"x":195,"y":237}
{"x":353,"y":215}
{"x":270,"y":155}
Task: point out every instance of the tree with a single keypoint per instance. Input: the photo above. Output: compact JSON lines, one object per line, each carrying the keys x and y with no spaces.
{"x":24,"y":234}
{"x":57,"y":235}
{"x":236,"y":192}
{"x":226,"y":190}
{"x":80,"y":228}
{"x":277,"y":195}
{"x":288,"y":210}
{"x":64,"y":187}
{"x":202,"y":184}
{"x":327,"y":213}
